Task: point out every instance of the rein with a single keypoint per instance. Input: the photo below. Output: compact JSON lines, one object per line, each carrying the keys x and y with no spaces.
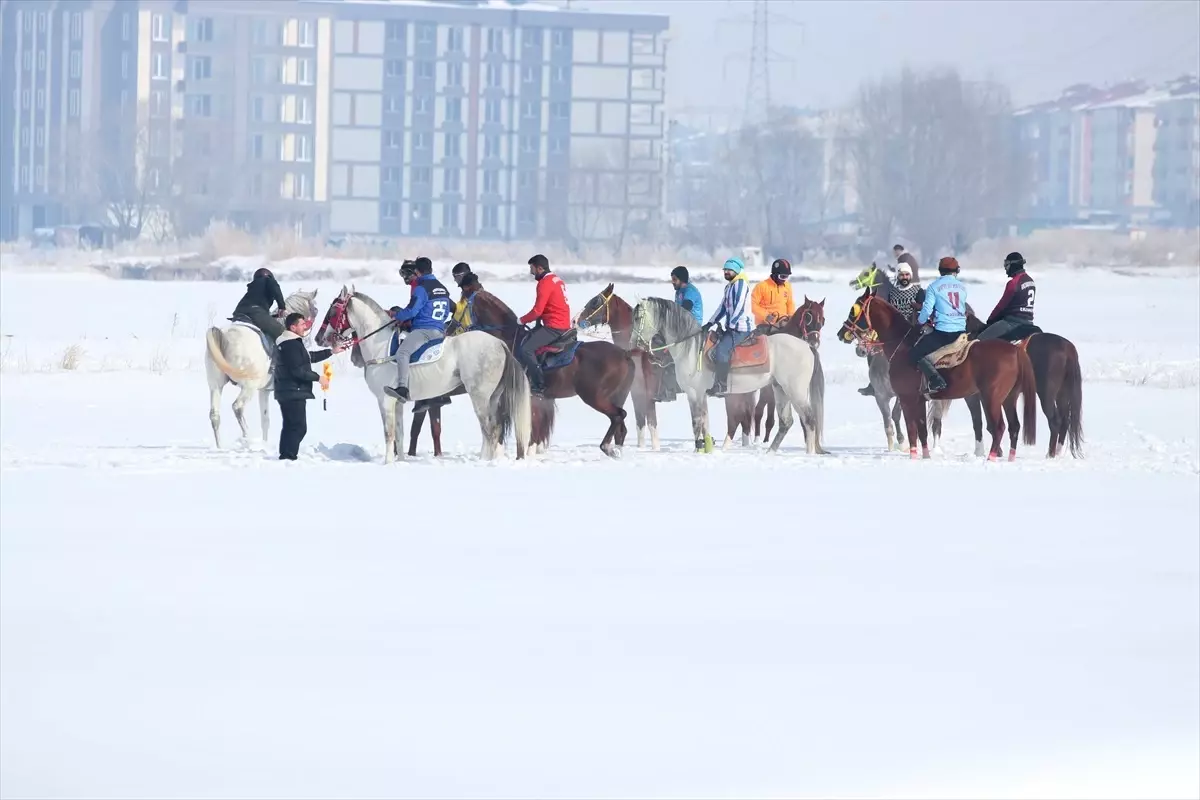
{"x":869,"y":344}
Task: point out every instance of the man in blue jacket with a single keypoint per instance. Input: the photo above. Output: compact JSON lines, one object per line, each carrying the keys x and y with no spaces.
{"x":429,"y":310}
{"x":687,"y":295}
{"x":946,"y":299}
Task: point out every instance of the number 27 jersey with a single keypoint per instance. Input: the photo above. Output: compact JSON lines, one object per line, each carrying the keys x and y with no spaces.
{"x":946,"y":299}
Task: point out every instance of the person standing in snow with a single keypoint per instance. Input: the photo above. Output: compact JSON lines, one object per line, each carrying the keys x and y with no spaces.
{"x":293,"y":382}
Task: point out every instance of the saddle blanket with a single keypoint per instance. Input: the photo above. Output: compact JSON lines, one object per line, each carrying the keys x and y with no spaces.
{"x":753,"y":353}
{"x":952,"y":354}
{"x":427,"y":353}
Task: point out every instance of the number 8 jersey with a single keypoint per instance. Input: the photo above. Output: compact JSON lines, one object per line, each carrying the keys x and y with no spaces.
{"x":946,"y":299}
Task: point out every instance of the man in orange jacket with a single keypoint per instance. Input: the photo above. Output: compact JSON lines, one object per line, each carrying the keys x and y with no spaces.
{"x":550,"y":309}
{"x":772,"y":299}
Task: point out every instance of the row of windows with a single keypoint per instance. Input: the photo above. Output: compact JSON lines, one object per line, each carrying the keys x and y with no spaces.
{"x":39,"y":98}
{"x":494,"y":76}
{"x":451,"y":144}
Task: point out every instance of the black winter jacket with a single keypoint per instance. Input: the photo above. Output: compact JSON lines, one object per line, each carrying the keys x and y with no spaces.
{"x":261,"y":292}
{"x":293,"y":371}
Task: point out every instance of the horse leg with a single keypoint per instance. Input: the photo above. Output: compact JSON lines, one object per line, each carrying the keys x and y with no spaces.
{"x":883,"y":401}
{"x":639,"y":405}
{"x":923,"y":428}
{"x":913,"y":407}
{"x":387,"y":414}
{"x":264,"y":412}
{"x":783,"y":410}
{"x":699,"y":409}
{"x":1014,"y":423}
{"x":897,"y":410}
{"x":975,"y":406}
{"x":489,"y":429}
{"x":239,"y":409}
{"x":417,"y":423}
{"x":616,"y":419}
{"x":993,"y":412}
{"x":214,"y":411}
{"x":435,"y":429}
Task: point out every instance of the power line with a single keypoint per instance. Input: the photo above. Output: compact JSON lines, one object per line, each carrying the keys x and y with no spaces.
{"x":760,"y":57}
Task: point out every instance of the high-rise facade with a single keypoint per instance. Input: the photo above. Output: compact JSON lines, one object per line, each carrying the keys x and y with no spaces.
{"x":461,"y":118}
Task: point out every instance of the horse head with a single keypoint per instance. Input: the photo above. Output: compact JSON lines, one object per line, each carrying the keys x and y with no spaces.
{"x":596,"y":310}
{"x":809,"y":319}
{"x":857,"y":328}
{"x":337,"y":320}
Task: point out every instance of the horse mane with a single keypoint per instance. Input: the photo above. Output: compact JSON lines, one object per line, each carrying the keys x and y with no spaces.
{"x":371,"y":304}
{"x":292,"y":304}
{"x":676,"y":322}
{"x":508,"y":317}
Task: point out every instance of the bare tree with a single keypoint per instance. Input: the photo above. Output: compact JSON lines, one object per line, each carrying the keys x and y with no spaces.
{"x":117,"y":173}
{"x":597,"y":207}
{"x":933,"y":156}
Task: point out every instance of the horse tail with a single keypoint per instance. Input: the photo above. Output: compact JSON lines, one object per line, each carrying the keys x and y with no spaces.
{"x":1070,"y":405}
{"x":1028,"y":383}
{"x":216,"y":344}
{"x":816,"y":393}
{"x":511,"y":401}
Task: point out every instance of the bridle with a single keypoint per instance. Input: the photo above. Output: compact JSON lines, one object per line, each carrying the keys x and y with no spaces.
{"x":807,"y":319}
{"x":865,"y":334}
{"x":338,"y":320}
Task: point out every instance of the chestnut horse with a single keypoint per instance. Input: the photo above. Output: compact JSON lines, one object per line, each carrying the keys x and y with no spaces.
{"x":608,"y":309}
{"x":599,"y":373}
{"x":805,"y":324}
{"x":999,"y":374}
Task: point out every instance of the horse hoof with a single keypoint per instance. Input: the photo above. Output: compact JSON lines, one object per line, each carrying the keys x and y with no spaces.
{"x":991,"y":457}
{"x":1012,"y":455}
{"x":925,"y":453}
{"x":912,"y":453}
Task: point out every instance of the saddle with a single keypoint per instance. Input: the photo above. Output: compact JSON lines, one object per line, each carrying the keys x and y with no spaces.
{"x":1020,"y":336}
{"x":268,"y":345}
{"x":750,"y":354}
{"x":952,"y":354}
{"x":558,"y":353}
{"x":425,"y":354}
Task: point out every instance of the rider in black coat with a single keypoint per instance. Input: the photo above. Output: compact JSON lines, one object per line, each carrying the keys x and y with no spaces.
{"x":255,"y":304}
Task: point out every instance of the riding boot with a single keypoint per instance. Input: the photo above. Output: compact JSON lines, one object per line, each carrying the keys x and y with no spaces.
{"x":936,"y":381}
{"x":720,"y":379}
{"x":537,"y":381}
{"x":399,"y":392}
{"x":867,"y":391}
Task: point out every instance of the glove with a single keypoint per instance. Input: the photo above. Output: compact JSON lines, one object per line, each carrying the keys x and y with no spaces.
{"x":706,"y":327}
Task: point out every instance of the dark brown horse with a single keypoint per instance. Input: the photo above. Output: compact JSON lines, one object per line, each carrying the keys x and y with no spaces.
{"x":805,"y":324}
{"x":607,"y":308}
{"x":599,"y":373}
{"x":999,"y":374}
{"x":1059,"y":383}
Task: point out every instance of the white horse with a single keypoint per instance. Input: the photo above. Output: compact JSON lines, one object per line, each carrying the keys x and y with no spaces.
{"x":474,"y":361}
{"x":793,"y":371}
{"x":237,"y":354}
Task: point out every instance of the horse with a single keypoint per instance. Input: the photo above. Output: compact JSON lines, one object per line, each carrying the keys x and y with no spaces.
{"x":998,"y":374}
{"x":608,"y":309}
{"x":472,"y":363}
{"x":242,"y":355}
{"x":1055,"y":362}
{"x":806,"y":323}
{"x":791,"y":366}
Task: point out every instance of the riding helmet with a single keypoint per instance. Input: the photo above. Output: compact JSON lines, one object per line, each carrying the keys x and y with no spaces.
{"x":1013,"y":263}
{"x":780,"y":267}
{"x":948,"y":265}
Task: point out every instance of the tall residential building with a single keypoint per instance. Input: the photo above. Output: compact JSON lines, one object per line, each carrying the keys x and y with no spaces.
{"x":465,"y":118}
{"x":1177,"y":154}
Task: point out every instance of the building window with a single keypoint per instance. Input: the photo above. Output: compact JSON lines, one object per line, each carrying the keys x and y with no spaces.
{"x":202,"y":29}
{"x":420,"y":140}
{"x":427,"y":33}
{"x":76,"y":64}
{"x":425,"y":70}
{"x":24,"y":98}
{"x":529,"y":109}
{"x":124,"y":66}
{"x":491,"y":181}
{"x":562,"y":37}
{"x":41,"y":99}
{"x":491,"y":146}
{"x":391,"y":175}
{"x":451,"y":143}
{"x":257,"y":147}
{"x":158,"y":67}
{"x":558,"y":144}
{"x":531,"y":38}
{"x":560,"y":110}
{"x":393,"y":140}
{"x":304,"y":72}
{"x":491,"y":111}
{"x":422,"y":175}
{"x":449,"y":215}
{"x":493,"y":76}
{"x":27,"y":60}
{"x":201,"y":68}
{"x":160,"y":29}
{"x":453,"y":109}
{"x":454,"y":74}
{"x":495,"y":40}
{"x":393,"y":104}
{"x":395,"y":68}
{"x":390,"y":210}
{"x":42,"y":61}
{"x":525,"y":215}
{"x":76,"y":26}
{"x":40,"y":176}
{"x":422,"y":104}
{"x":41,"y":26}
{"x":40,"y":138}
{"x":450,"y":180}
{"x":454,"y":40}
{"x":525,"y":180}
{"x":303,"y":110}
{"x":491,"y":219}
{"x":558,"y":74}
{"x":24,"y":137}
{"x":305,"y":37}
{"x":303,"y":148}
{"x":258,"y":109}
{"x":24,"y":168}
{"x":73,"y":102}
{"x":529,"y":74}
{"x":395,"y":31}
{"x":126,"y":26}
{"x":200,"y":105}
{"x":529,"y":143}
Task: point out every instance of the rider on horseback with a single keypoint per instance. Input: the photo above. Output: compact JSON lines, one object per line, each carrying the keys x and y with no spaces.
{"x":1015,"y":309}
{"x":948,"y":297}
{"x":687,"y":295}
{"x":738,"y":323}
{"x":772,"y":299}
{"x":255,"y":304}
{"x":469,"y":283}
{"x":550,"y":309}
{"x":426,"y":316}
{"x":906,"y":296}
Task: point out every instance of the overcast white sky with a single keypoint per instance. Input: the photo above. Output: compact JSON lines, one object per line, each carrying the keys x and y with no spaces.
{"x":1036,"y":47}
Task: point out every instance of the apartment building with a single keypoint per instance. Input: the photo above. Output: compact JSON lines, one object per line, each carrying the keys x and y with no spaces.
{"x":66,"y":100}
{"x":1177,"y":155}
{"x":495,"y":120}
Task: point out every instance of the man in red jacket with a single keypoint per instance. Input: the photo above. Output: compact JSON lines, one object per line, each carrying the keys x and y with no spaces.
{"x":551,"y":311}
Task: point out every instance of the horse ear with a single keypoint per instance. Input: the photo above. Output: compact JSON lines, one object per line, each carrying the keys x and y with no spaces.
{"x":806,"y":300}
{"x":822,"y":303}
{"x":608,"y":289}
{"x":314,"y":294}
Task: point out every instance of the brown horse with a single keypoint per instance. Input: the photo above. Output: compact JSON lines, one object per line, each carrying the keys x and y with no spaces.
{"x":805,"y":324}
{"x":599,"y":373}
{"x":607,"y":308}
{"x":998,"y":374}
{"x":1059,"y":382}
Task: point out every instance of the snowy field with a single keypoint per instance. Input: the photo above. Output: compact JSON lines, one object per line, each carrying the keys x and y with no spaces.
{"x":179,"y":621}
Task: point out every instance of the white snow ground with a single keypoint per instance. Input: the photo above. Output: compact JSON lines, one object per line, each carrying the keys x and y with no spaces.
{"x":180,"y":621}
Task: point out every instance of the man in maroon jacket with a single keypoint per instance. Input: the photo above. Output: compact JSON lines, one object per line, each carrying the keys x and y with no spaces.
{"x":1015,"y":309}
